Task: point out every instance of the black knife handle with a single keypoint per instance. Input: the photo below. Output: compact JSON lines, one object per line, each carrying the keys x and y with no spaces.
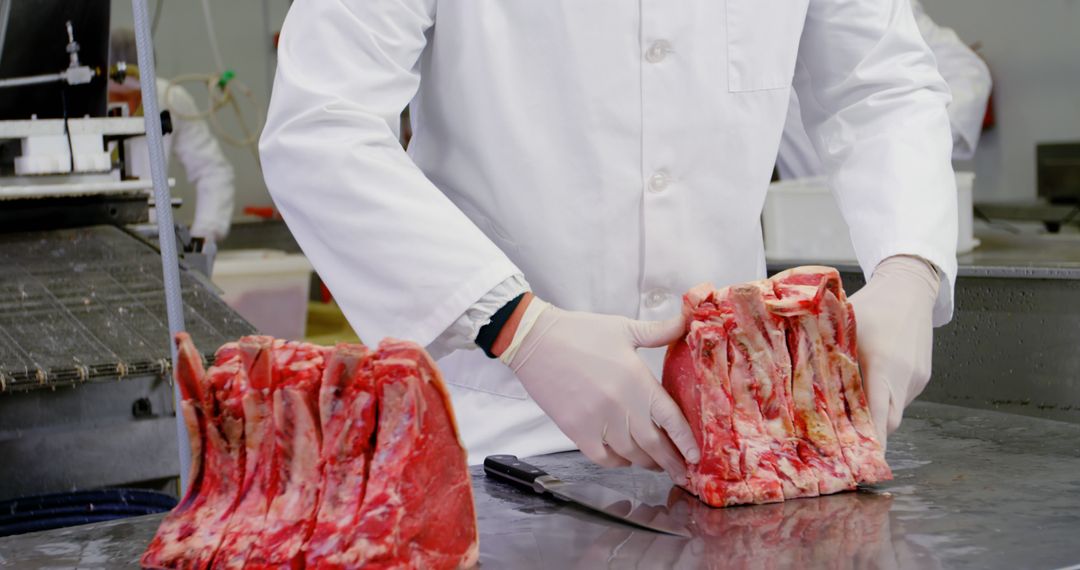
{"x":513,"y":470}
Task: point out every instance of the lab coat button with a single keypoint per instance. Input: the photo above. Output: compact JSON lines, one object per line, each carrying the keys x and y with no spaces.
{"x":655,"y":298}
{"x":657,"y":51}
{"x":659,"y":181}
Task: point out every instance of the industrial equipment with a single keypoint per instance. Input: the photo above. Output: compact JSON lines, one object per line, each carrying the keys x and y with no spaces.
{"x":1057,"y":168}
{"x":85,"y":392}
{"x":1057,"y":183}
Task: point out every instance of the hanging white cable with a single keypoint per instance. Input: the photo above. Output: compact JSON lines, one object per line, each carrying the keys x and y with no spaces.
{"x":214,"y":48}
{"x":222,"y":89}
{"x":220,"y":98}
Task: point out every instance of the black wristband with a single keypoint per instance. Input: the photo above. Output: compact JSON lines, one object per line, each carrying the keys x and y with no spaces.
{"x":485,"y":339}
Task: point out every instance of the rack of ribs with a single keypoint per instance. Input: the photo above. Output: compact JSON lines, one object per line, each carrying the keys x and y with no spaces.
{"x":306,"y":456}
{"x":768,"y":377}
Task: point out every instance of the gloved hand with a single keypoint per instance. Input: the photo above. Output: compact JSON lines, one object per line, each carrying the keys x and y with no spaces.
{"x":893,"y":320}
{"x":583,"y":371}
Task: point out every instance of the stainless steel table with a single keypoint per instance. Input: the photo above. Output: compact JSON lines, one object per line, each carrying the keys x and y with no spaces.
{"x":973,"y":489}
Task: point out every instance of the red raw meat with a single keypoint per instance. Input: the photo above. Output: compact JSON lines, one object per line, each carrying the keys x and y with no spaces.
{"x":167,"y":549}
{"x":242,"y":529}
{"x":762,"y":334}
{"x":418,"y":490}
{"x":719,"y":474}
{"x":325,"y":458}
{"x":347,"y":405}
{"x":832,"y":323}
{"x":296,"y":475}
{"x":767,"y":376}
{"x":195,"y":535}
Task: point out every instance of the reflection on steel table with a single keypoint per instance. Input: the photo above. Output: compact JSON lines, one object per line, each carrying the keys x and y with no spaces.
{"x":847,"y":530}
{"x":604,"y":500}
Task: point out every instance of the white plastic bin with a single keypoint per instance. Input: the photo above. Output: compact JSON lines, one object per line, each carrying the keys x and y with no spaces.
{"x":267,"y":287}
{"x":965,"y":184}
{"x":802,"y":221}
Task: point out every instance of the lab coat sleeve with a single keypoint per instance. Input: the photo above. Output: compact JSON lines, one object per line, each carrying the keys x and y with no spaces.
{"x":968,"y":79}
{"x":874,"y":106}
{"x":461,"y":335}
{"x":204,"y":164}
{"x":400,"y":258}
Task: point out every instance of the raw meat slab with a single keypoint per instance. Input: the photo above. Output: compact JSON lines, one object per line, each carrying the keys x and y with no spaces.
{"x":767,"y":375}
{"x":194,"y":536}
{"x":321,"y":458}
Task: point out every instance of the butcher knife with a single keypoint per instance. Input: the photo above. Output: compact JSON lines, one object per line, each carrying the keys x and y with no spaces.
{"x":617,"y":505}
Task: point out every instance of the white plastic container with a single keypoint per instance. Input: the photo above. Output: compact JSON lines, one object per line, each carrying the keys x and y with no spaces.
{"x":267,"y":287}
{"x":802,"y":221}
{"x":965,"y":183}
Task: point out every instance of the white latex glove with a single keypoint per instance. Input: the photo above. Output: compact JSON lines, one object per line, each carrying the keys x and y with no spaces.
{"x":583,"y":370}
{"x":896,"y":336}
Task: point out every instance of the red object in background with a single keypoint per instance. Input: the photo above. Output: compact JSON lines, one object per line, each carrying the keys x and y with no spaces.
{"x":988,"y":118}
{"x":324,"y":293}
{"x":264,"y":212}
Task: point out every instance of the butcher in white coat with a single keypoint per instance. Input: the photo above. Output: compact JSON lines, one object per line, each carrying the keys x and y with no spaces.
{"x":965,"y":73}
{"x":576,"y":166}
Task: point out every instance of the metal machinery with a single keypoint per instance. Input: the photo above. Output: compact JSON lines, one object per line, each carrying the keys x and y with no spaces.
{"x":1057,"y":170}
{"x":85,"y":394}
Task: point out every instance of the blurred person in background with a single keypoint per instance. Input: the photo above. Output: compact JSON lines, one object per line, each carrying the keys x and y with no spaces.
{"x":191,"y":141}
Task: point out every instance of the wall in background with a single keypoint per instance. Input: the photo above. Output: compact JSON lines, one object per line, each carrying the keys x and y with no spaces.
{"x":1034,"y":56}
{"x":182,"y":46}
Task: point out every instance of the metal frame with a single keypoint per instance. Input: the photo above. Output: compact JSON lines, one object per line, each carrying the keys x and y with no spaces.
{"x":170,"y":267}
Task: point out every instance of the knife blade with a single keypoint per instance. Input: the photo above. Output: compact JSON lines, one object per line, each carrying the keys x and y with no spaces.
{"x":612,"y":503}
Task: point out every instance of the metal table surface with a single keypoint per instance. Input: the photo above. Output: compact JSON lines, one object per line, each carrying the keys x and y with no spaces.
{"x":973,"y":489}
{"x":999,"y":255}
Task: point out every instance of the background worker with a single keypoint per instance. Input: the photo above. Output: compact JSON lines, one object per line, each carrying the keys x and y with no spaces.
{"x":191,"y":141}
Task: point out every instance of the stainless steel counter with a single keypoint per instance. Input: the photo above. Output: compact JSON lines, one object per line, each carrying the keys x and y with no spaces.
{"x":973,"y":489}
{"x":1041,"y":256}
{"x":1000,"y":254}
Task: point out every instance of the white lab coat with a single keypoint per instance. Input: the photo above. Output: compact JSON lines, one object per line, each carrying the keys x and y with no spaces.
{"x":965,"y":73}
{"x":615,"y":153}
{"x":200,"y":154}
